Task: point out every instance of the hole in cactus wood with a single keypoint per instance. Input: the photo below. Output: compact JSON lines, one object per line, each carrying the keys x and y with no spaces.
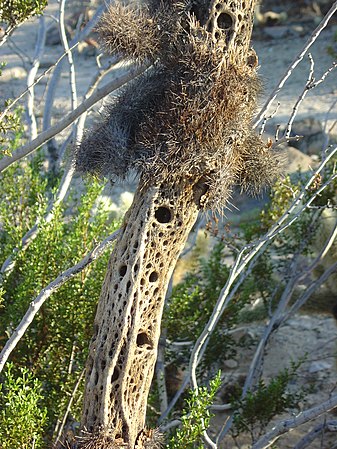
{"x":163,"y":214}
{"x":224,"y":21}
{"x":115,"y":375}
{"x":143,"y":339}
{"x":122,"y":270}
{"x":153,"y":276}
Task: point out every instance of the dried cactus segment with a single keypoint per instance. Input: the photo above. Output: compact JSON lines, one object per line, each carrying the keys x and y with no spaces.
{"x":150,"y":439}
{"x":110,"y":148}
{"x":261,"y":165}
{"x":191,"y":113}
{"x":104,"y":151}
{"x":129,"y":31}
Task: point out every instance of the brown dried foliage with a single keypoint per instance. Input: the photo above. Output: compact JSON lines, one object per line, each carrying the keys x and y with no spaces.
{"x":188,"y":116}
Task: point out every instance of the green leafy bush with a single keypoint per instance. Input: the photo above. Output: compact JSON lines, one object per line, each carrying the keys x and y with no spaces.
{"x":195,"y":417}
{"x":264,"y":402}
{"x":55,"y":347}
{"x":14,"y":12}
{"x":22,"y":415}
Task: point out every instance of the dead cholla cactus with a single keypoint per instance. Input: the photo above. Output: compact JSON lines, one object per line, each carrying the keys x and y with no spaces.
{"x":185,"y":126}
{"x":190,"y":114}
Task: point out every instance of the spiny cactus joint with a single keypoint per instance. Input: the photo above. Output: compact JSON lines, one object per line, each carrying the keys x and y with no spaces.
{"x":189,"y":116}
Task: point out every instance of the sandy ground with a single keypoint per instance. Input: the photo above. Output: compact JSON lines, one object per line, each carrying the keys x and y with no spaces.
{"x":313,"y":335}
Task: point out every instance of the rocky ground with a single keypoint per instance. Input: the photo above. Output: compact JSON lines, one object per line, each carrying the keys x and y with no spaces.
{"x":281,"y":31}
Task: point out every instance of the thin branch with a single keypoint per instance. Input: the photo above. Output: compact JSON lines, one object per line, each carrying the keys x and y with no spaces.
{"x":325,"y":249}
{"x":36,"y":304}
{"x":326,"y":131}
{"x":266,"y":118}
{"x":71,"y":400}
{"x":175,"y":398}
{"x":8,"y":32}
{"x":315,"y":433}
{"x":310,"y":289}
{"x":295,"y":62}
{"x":37,"y":80}
{"x":289,"y":424}
{"x":279,"y":142}
{"x":19,"y":52}
{"x":309,"y":85}
{"x":45,"y":136}
{"x":170,"y":425}
{"x":39,"y":48}
{"x":64,"y":40}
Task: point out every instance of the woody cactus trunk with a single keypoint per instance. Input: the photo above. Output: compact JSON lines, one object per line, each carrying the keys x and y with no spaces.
{"x":185,"y":126}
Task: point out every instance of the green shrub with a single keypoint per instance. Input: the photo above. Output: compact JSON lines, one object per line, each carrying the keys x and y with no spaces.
{"x":14,"y":12}
{"x":55,"y":347}
{"x":195,"y":417}
{"x":264,"y":402}
{"x":23,"y":418}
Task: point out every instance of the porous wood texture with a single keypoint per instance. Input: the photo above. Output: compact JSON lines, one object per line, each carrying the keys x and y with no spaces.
{"x":127,"y":324}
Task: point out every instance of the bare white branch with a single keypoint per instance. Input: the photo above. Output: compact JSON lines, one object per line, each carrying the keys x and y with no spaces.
{"x":39,"y":48}
{"x":309,"y":85}
{"x":64,"y":40}
{"x":285,"y":426}
{"x":71,"y":117}
{"x":36,"y":304}
{"x":295,"y":62}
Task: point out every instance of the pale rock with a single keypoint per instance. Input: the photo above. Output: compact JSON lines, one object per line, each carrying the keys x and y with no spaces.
{"x":296,"y":160}
{"x":231,"y":363}
{"x":276,"y":32}
{"x":321,"y":365}
{"x":13,"y":73}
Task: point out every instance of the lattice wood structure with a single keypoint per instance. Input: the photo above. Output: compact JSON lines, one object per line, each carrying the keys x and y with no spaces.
{"x":211,"y":106}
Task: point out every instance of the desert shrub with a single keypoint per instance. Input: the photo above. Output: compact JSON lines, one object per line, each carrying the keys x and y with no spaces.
{"x":264,"y":402}
{"x":14,"y":12}
{"x":22,"y":416}
{"x":195,"y":417}
{"x":54,"y":348}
